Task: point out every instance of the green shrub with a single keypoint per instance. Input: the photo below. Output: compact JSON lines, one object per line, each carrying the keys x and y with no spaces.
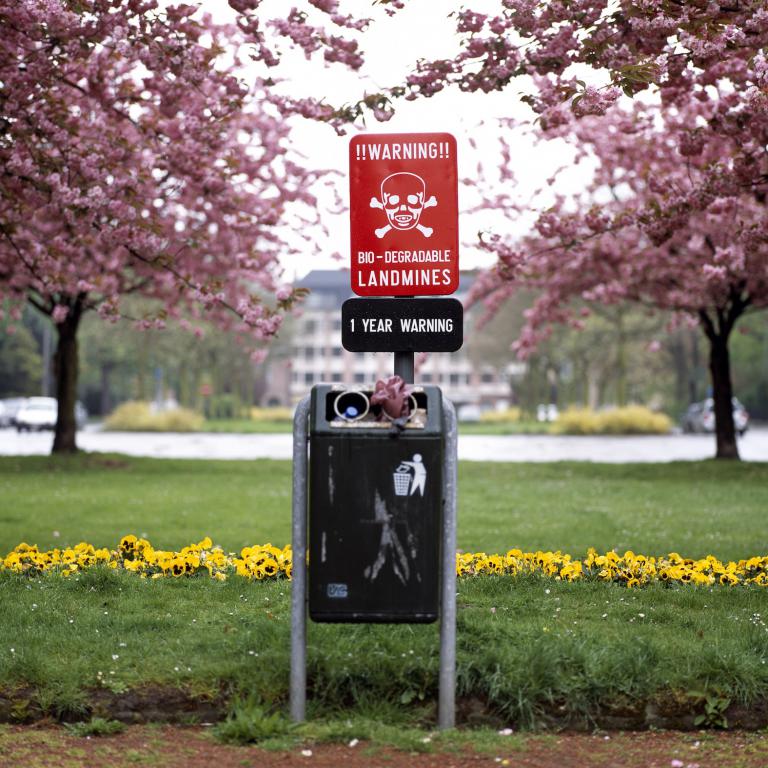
{"x":250,"y":723}
{"x":630,"y":420}
{"x":507,"y":416}
{"x":272,"y":414}
{"x":96,"y":726}
{"x":635,"y":420}
{"x":224,"y":407}
{"x":136,"y":416}
{"x":577,"y":421}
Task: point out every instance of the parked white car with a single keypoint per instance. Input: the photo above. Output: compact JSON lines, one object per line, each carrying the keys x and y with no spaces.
{"x":9,"y":407}
{"x":700,"y":417}
{"x":37,"y":414}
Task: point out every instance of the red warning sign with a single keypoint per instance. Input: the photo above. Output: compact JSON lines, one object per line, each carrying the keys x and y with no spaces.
{"x":404,"y":214}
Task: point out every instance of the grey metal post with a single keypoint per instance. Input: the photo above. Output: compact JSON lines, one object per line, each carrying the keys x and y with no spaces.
{"x":446,"y":713}
{"x":298,"y":685}
{"x":404,"y":366}
{"x":404,"y":362}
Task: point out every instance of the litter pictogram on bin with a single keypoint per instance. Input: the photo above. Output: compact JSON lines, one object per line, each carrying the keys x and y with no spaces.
{"x":410,"y":476}
{"x":402,"y":477}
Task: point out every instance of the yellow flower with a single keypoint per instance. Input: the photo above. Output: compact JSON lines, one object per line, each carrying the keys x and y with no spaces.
{"x":13,"y":562}
{"x":571,"y":571}
{"x":270,"y":567}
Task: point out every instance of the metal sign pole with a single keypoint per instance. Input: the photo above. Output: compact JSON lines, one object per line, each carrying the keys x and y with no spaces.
{"x":298,"y":684}
{"x":446,"y":713}
{"x":404,"y":361}
{"x":404,"y":366}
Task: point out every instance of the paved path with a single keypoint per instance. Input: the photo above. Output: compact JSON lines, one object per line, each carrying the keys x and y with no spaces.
{"x":753,"y":446}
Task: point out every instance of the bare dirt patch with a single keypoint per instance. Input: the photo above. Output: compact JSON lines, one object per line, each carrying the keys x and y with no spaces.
{"x":46,"y":746}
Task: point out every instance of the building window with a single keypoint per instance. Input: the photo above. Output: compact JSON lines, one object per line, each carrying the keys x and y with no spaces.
{"x":487,"y":377}
{"x":454,"y":379}
{"x":309,"y":353}
{"x":309,"y":378}
{"x":310,"y":326}
{"x":337,"y":324}
{"x":359,"y":378}
{"x":426,"y":378}
{"x":335,"y":377}
{"x":337,"y":351}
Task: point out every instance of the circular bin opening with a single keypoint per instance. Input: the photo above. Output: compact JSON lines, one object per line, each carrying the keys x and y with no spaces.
{"x":351,"y":406}
{"x":413,"y":406}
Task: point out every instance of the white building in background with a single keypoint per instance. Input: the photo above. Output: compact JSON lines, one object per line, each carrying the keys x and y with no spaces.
{"x":318,"y":357}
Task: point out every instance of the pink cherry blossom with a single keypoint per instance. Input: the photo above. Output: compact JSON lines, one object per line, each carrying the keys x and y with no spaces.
{"x":136,"y":161}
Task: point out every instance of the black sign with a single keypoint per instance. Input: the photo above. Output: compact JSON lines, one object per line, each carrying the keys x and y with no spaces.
{"x":402,"y":325}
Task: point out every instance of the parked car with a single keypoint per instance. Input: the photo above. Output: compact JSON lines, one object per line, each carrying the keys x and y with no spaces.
{"x":37,"y":413}
{"x":700,"y":417}
{"x":10,"y":407}
{"x":468,"y":412}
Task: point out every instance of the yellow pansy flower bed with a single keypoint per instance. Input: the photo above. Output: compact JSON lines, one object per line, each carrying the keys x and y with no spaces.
{"x":265,"y":561}
{"x":629,"y":569}
{"x":140,"y":557}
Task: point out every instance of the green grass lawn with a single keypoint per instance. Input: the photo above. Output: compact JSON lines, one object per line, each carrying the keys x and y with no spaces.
{"x":526,"y":646}
{"x":694,"y":508}
{"x":248,"y":426}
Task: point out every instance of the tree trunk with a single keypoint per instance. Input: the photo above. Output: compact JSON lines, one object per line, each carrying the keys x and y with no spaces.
{"x":66,"y":370}
{"x":722,"y":394}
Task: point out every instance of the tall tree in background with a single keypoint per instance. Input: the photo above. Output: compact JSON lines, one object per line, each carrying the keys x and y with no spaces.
{"x":134,"y":160}
{"x":664,"y":225}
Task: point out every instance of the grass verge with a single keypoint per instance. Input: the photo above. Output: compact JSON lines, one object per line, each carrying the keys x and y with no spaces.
{"x":530,"y":652}
{"x":695,"y":508}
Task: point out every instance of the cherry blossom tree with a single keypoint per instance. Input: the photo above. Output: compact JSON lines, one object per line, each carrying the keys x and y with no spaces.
{"x":135,"y":161}
{"x":661,"y":224}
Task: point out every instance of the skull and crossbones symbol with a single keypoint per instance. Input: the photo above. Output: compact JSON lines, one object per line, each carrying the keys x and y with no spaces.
{"x":403,"y":200}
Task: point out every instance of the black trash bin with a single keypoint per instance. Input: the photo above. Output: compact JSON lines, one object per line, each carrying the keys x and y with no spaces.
{"x":375,"y":508}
